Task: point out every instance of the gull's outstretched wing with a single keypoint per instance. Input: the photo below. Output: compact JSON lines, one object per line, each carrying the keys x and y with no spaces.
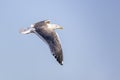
{"x":53,"y":41}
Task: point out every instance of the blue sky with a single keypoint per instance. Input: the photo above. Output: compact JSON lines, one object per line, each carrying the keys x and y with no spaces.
{"x":90,"y":40}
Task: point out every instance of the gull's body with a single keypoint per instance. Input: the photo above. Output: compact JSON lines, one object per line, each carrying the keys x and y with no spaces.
{"x":46,"y":31}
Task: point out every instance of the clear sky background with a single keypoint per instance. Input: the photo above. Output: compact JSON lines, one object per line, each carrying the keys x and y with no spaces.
{"x":90,"y":40}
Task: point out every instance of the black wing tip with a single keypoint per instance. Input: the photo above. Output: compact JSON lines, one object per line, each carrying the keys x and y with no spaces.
{"x":61,"y":63}
{"x":59,"y":59}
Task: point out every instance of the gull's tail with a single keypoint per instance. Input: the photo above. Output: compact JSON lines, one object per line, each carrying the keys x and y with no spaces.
{"x":27,"y":31}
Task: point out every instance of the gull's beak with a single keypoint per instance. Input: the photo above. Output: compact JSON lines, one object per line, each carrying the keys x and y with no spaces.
{"x":60,"y":27}
{"x":54,"y":26}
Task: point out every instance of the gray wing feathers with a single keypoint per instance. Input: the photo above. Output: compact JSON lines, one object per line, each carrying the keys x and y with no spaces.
{"x":53,"y":41}
{"x":56,"y":48}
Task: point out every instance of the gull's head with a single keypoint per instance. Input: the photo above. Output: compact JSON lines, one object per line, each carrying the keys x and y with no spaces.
{"x":59,"y":27}
{"x":54,"y":26}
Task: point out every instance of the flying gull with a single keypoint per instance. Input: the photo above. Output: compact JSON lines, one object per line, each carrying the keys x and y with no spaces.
{"x":46,"y":31}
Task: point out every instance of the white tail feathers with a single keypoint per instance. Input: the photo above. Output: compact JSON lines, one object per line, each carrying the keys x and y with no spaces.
{"x":27,"y":31}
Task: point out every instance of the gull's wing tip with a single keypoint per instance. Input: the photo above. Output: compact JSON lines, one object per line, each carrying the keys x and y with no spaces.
{"x":61,"y":63}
